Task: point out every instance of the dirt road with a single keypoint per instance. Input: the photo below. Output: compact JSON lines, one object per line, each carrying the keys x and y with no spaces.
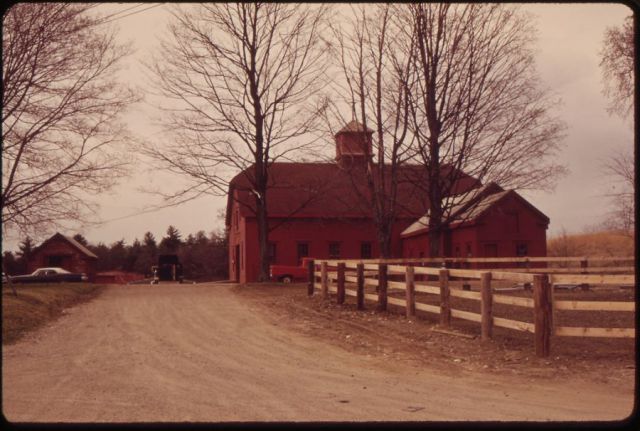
{"x":200,"y":353}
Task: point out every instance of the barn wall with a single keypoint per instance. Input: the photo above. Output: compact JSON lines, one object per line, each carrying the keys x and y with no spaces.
{"x":318,"y":233}
{"x":497,"y":233}
{"x":237,"y":237}
{"x":464,"y":242}
{"x":417,"y":246}
{"x":509,"y":225}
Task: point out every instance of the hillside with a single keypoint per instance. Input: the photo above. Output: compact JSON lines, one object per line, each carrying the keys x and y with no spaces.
{"x":608,"y":243}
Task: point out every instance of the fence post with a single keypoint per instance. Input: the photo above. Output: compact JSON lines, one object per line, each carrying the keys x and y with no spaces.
{"x":382,"y":287}
{"x":542,"y":314}
{"x":360,"y":287}
{"x":445,"y":307}
{"x":340,"y":296}
{"x":584,"y":263}
{"x":411,"y":292}
{"x":311,"y":277}
{"x":486,"y":305}
{"x":324,"y":280}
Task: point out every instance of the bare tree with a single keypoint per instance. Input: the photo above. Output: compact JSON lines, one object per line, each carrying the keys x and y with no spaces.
{"x":617,"y":67}
{"x":60,"y":107}
{"x":620,"y":168}
{"x":477,"y":104}
{"x":242,"y":77}
{"x":375,"y":70}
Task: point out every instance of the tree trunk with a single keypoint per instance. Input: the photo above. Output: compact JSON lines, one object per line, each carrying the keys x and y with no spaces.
{"x":434,"y":242}
{"x":384,"y":241}
{"x":263,"y":241}
{"x":435,"y":213}
{"x":262,"y":220}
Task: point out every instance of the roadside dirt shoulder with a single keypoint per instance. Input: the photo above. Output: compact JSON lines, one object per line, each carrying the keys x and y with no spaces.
{"x":422,"y":342}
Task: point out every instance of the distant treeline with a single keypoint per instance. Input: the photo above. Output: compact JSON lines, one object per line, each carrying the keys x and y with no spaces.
{"x":203,"y":257}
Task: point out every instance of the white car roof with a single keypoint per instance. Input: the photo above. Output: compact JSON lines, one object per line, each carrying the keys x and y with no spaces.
{"x":52,"y":268}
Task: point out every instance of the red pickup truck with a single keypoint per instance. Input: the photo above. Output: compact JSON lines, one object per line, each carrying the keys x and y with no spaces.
{"x":289,"y":273}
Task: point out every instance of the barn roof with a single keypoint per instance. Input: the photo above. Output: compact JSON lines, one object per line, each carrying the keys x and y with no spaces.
{"x":325,"y":190}
{"x":81,"y":248}
{"x":470,"y":207}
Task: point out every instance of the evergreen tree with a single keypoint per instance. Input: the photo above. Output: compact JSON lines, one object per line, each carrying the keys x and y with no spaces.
{"x":10,"y":264}
{"x":171,"y":243}
{"x":149,"y":241}
{"x":25,"y":250}
{"x":148,"y":255}
{"x":133,"y":254}
{"x":81,"y":239}
{"x":118,"y":255}
{"x":104,"y":258}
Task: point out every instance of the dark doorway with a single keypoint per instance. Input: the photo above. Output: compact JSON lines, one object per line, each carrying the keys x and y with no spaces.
{"x":169,"y":268}
{"x":56,"y":260}
{"x":303,"y":251}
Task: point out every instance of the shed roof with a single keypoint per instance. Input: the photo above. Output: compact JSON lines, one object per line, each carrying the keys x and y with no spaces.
{"x":471,"y":207}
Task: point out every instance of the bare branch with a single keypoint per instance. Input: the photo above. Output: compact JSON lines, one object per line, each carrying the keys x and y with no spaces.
{"x":60,"y":117}
{"x":241,"y":79}
{"x":617,"y":64}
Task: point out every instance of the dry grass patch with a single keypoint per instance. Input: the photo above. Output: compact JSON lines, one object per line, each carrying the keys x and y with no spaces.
{"x":38,"y":304}
{"x":591,"y":244}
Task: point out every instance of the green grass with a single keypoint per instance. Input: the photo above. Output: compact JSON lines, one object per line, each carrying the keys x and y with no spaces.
{"x":37,"y":304}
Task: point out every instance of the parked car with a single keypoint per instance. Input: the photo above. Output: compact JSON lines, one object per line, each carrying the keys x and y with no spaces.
{"x":50,"y":275}
{"x":289,"y":273}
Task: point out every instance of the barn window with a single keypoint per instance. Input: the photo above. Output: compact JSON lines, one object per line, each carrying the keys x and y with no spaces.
{"x":491,"y":250}
{"x":365,"y":250}
{"x":469,"y":253}
{"x":522,"y":249}
{"x":272,"y":252}
{"x":334,"y":250}
{"x":303,"y":251}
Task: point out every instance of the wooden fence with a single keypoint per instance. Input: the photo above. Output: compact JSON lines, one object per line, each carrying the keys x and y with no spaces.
{"x":341,"y":276}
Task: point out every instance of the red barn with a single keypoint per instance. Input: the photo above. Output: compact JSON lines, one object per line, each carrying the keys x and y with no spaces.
{"x":492,"y":223}
{"x":63,"y":252}
{"x":322,"y":210}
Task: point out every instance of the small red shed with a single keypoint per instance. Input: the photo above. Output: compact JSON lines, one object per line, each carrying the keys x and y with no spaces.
{"x":490,"y":223}
{"x":63,"y":252}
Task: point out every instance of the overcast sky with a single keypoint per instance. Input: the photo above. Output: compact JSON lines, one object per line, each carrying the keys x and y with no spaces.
{"x":569,"y":41}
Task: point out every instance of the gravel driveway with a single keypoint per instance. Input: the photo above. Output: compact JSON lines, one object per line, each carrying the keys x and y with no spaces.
{"x":174,"y":353}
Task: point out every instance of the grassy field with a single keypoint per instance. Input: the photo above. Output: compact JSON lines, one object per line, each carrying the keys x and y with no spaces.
{"x":38,"y":304}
